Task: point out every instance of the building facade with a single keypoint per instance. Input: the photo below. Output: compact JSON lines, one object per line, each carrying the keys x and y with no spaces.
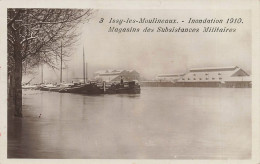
{"x":169,"y":77}
{"x":233,"y":76}
{"x":115,"y":75}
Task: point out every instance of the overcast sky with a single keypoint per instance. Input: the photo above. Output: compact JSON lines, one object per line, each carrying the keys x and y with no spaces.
{"x":159,"y":53}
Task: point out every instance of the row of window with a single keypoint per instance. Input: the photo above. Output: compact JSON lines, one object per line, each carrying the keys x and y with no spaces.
{"x":201,"y":78}
{"x":206,"y":74}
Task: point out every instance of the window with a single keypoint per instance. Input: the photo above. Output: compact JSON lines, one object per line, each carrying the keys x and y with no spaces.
{"x":183,"y":79}
{"x":206,"y":74}
{"x":200,"y":79}
{"x":194,"y":74}
{"x":220,"y":78}
{"x":188,"y":78}
{"x":207,"y":78}
{"x":213,"y":78}
{"x":219,"y":73}
{"x":194,"y":78}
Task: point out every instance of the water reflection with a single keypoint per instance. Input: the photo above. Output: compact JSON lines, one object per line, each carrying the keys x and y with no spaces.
{"x":184,"y":123}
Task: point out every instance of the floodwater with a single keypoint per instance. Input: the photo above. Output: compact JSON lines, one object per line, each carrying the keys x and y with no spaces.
{"x":160,"y":123}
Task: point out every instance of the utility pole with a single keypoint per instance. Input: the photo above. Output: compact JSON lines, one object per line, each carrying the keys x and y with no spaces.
{"x":61,"y":64}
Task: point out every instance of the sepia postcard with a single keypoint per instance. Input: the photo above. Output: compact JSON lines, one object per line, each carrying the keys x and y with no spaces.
{"x":129,"y":82}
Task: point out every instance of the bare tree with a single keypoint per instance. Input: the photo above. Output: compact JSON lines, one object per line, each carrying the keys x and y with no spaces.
{"x":35,"y":36}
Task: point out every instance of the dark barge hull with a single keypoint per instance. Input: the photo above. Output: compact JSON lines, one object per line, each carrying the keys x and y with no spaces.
{"x":84,"y":89}
{"x":136,"y":90}
{"x":72,"y":89}
{"x":94,"y":88}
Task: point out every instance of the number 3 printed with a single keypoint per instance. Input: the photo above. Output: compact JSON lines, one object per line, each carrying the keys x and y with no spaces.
{"x":101,"y":20}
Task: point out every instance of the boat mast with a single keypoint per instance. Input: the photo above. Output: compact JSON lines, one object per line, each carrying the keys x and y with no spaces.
{"x":67,"y":68}
{"x":84,"y":66}
{"x":61,"y":64}
{"x":42,"y":72}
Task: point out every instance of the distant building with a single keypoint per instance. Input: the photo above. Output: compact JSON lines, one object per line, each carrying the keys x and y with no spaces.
{"x":115,"y":75}
{"x":169,"y":77}
{"x":216,"y":77}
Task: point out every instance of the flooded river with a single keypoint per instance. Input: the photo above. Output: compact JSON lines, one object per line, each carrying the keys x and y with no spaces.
{"x":160,"y":123}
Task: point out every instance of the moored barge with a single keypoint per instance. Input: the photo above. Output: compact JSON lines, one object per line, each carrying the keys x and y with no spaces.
{"x":93,"y":87}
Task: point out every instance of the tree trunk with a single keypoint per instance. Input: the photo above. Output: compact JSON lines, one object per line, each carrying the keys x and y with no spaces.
{"x":10,"y":95}
{"x":17,"y":89}
{"x":16,"y":83}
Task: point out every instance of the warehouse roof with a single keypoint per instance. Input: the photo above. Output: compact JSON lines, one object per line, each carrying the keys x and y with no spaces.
{"x":213,"y":69}
{"x":111,"y":71}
